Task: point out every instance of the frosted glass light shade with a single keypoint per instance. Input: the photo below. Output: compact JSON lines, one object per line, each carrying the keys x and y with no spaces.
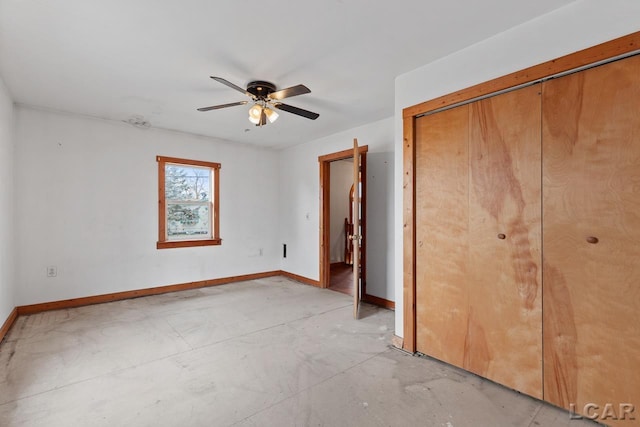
{"x":254,"y":114}
{"x":272,"y":116}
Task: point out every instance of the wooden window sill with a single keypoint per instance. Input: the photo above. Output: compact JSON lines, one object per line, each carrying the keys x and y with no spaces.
{"x":188,"y":243}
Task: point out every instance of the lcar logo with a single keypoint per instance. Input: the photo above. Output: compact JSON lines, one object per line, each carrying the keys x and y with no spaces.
{"x":609,"y":411}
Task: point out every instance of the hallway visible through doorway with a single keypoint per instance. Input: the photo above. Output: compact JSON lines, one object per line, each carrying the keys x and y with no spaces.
{"x":341,"y":278}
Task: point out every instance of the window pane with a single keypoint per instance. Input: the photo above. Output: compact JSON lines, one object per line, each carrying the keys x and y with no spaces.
{"x":188,"y":203}
{"x":188,"y":221}
{"x":187,"y":183}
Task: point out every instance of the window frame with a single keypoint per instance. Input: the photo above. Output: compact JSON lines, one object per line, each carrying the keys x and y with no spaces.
{"x":163,"y":242}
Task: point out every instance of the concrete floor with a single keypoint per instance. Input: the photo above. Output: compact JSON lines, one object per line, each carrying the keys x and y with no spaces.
{"x":269,"y":352}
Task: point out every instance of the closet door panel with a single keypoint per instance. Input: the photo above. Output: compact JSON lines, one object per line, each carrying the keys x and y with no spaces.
{"x":591,"y":170}
{"x":504,"y":328}
{"x":441,"y":234}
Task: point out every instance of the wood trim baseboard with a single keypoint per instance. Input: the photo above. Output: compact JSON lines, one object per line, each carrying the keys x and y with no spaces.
{"x":371,"y":299}
{"x":381,"y":302}
{"x":6,"y":326}
{"x":117,"y":296}
{"x":397,"y":342}
{"x":300,"y":279}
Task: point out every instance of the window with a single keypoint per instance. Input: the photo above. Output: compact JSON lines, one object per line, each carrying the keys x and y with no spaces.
{"x":188,"y":203}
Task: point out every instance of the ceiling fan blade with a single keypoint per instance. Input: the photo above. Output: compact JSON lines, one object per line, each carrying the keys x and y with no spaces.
{"x":289,"y":92}
{"x":217,"y":107}
{"x":231,"y":85}
{"x":296,"y":110}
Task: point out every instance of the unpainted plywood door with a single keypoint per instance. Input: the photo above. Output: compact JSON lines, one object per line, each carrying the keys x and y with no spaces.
{"x":441,"y":188}
{"x":504,"y":327}
{"x":591,"y":228}
{"x":478,"y":260}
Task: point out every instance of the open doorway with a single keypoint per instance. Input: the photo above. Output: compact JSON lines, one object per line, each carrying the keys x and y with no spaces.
{"x":341,"y":226}
{"x":337,"y":218}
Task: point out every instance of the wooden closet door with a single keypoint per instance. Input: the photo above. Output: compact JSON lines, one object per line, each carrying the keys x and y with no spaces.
{"x":504,"y":325}
{"x":441,"y":187}
{"x":591,"y":143}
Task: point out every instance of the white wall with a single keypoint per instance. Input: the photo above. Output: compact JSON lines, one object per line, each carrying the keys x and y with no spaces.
{"x":299,"y":203}
{"x":380,"y":237}
{"x":577,"y":26}
{"x":341,"y":174}
{"x":7,"y":283}
{"x":86,"y":194}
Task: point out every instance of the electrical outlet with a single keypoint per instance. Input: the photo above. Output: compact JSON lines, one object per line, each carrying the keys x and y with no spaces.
{"x":52,"y":271}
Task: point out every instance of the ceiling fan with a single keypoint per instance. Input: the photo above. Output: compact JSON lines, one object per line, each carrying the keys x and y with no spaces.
{"x":265,"y":98}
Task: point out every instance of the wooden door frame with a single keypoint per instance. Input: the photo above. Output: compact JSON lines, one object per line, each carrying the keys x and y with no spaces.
{"x":574,"y":61}
{"x":325,"y":212}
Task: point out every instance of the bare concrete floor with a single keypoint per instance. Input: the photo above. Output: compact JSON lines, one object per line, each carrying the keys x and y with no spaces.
{"x":268,"y":352}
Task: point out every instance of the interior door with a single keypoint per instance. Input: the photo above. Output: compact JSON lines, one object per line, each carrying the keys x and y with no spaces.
{"x":357,"y":234}
{"x":478,"y":255}
{"x":442,"y":216}
{"x":504,"y":325}
{"x":591,"y":170}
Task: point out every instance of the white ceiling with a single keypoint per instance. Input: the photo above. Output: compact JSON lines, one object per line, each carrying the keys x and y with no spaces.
{"x":153,"y":58}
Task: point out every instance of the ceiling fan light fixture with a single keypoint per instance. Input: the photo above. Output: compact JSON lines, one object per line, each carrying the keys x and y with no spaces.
{"x":255,"y":111}
{"x":254,"y":114}
{"x":272,"y":116}
{"x":265,"y":98}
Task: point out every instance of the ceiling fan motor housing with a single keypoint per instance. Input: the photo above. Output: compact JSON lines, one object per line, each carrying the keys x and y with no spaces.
{"x":261,"y":89}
